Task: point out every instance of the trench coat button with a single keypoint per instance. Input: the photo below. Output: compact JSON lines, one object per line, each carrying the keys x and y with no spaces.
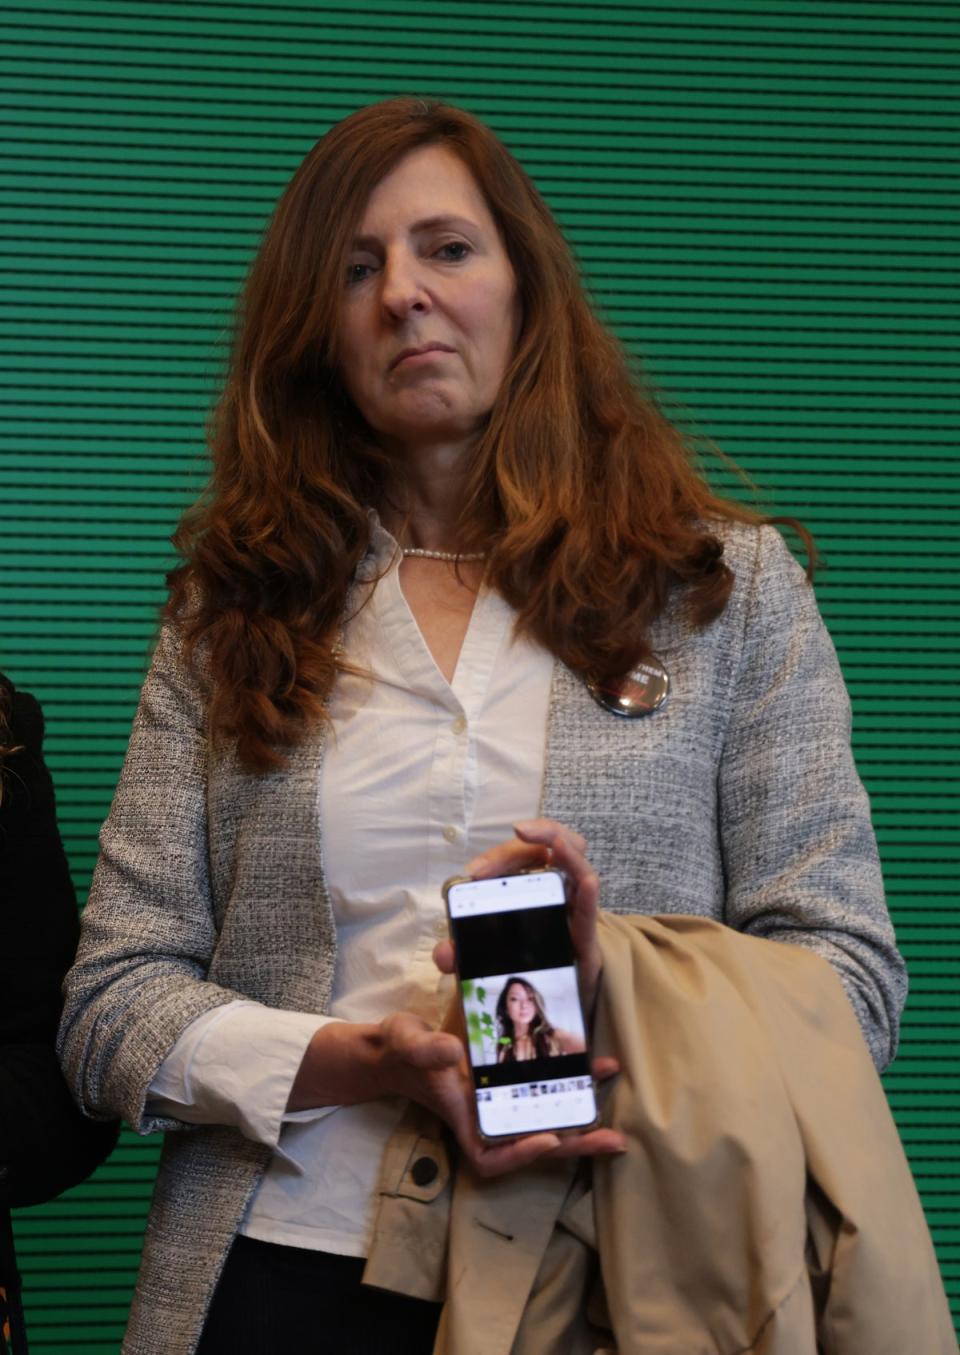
{"x":424,"y":1170}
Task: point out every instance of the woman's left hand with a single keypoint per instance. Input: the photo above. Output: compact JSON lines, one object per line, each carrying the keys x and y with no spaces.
{"x":544,"y":842}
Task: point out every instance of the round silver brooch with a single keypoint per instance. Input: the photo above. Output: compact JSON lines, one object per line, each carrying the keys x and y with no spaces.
{"x":641,"y":692}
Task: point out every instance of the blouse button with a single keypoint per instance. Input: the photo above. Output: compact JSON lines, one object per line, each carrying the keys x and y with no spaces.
{"x":459,"y":725}
{"x":450,"y":833}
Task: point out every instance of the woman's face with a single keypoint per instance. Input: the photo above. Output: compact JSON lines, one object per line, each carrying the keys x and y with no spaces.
{"x":520,"y":1005}
{"x":427,"y":271}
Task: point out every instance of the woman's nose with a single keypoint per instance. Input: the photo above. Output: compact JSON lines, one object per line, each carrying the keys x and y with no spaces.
{"x":403,"y":288}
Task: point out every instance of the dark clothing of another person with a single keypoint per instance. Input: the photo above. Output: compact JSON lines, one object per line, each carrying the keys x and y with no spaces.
{"x":46,"y":1144}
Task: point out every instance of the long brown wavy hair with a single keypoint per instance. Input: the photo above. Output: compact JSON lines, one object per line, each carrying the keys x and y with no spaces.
{"x":541,"y":1031}
{"x":581,"y":491}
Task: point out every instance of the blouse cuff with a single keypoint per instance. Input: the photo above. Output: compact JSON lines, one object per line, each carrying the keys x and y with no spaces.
{"x":236,"y":1065}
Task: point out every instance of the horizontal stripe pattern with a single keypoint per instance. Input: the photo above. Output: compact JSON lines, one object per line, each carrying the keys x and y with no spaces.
{"x":763,"y":201}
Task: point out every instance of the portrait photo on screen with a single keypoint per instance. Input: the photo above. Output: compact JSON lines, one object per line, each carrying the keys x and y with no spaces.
{"x":518,"y":1017}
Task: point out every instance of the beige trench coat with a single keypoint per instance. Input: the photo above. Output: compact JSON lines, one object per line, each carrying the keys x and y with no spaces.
{"x":764,"y":1204}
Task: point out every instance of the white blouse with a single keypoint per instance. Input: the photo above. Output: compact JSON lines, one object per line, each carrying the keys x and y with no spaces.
{"x":419,"y":775}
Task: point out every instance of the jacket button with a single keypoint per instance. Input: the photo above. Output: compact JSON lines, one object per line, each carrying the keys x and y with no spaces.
{"x":424,"y":1170}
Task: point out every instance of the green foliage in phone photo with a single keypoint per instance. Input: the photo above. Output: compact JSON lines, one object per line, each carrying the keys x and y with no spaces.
{"x":481,"y":1032}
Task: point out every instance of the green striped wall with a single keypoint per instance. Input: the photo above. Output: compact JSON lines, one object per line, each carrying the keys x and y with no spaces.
{"x":764,"y":199}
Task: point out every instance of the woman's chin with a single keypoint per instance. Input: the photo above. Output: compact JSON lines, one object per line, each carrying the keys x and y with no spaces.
{"x":429,"y":424}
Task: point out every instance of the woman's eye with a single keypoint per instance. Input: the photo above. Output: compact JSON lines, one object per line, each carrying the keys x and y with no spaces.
{"x":460,"y":249}
{"x":356,"y":272}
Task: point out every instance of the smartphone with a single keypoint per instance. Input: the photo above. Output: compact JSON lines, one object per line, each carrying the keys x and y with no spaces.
{"x":526,"y":1033}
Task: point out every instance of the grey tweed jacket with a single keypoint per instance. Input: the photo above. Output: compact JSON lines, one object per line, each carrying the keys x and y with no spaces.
{"x":738,"y":800}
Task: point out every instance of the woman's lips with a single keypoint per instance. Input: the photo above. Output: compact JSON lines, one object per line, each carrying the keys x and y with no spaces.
{"x":420,"y":359}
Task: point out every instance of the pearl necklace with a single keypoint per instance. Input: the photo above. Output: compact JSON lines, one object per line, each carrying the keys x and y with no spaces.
{"x":442,"y":554}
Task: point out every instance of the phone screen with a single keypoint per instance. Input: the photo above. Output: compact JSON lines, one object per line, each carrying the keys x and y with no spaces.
{"x":525,"y":1029}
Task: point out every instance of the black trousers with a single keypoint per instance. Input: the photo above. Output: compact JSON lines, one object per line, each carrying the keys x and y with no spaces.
{"x":275,"y":1300}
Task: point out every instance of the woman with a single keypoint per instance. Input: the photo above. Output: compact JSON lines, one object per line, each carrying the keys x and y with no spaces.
{"x":439,"y":508}
{"x":46,"y":1145}
{"x":523,"y":1030}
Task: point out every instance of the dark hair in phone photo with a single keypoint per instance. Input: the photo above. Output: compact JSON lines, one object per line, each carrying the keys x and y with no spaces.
{"x":541,"y":1031}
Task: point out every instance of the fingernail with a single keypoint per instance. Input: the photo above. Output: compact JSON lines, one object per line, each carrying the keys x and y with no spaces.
{"x":522,"y":827}
{"x":477,"y":866}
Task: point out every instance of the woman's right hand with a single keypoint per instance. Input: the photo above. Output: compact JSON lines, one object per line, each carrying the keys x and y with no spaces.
{"x":348,"y":1062}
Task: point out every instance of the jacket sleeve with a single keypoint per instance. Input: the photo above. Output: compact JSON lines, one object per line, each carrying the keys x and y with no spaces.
{"x":148,"y":931}
{"x":45,"y":1144}
{"x":799,"y":852}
